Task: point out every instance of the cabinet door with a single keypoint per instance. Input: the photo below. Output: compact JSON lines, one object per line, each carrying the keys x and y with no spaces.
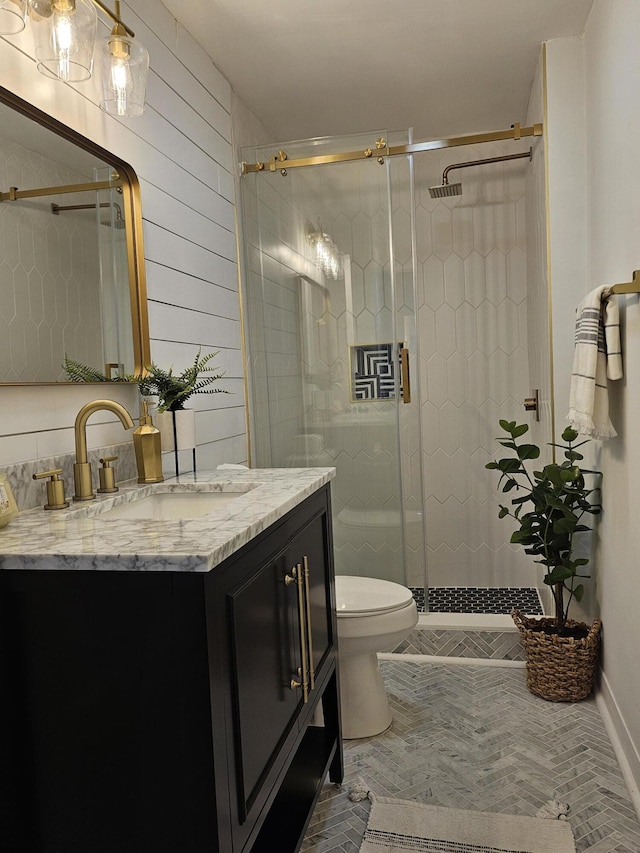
{"x":265,"y":652}
{"x":260,"y":618}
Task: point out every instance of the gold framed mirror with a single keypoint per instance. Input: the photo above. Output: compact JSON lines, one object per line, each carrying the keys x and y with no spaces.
{"x":72,"y":277}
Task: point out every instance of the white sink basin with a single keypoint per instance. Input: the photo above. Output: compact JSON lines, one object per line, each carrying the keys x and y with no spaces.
{"x":167,"y":506}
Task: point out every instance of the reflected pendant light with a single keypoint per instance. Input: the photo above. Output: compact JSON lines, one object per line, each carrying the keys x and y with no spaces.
{"x":64,"y":35}
{"x":124,"y":64}
{"x":13,"y":16}
{"x":327,"y":257}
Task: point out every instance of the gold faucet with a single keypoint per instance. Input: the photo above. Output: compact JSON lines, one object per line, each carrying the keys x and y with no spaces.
{"x":82,"y":467}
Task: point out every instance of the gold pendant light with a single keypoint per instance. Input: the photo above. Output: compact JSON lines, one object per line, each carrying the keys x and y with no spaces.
{"x":64,"y":38}
{"x":64,"y":35}
{"x":124,"y":64}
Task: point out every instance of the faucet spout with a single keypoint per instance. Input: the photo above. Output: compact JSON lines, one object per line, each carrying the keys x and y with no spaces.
{"x":82,"y":467}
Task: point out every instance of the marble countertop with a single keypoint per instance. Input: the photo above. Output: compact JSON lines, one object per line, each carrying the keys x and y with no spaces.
{"x":78,"y":538}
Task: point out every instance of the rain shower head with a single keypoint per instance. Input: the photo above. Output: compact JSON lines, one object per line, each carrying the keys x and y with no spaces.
{"x":447,"y":189}
{"x":116,"y":221}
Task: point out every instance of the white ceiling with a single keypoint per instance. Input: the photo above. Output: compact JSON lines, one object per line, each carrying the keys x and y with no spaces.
{"x":312,"y":68}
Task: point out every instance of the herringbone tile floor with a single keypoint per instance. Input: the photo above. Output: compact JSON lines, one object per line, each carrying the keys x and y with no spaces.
{"x":473,"y":737}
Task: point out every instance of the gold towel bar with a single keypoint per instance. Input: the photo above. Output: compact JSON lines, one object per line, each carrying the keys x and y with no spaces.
{"x":632,"y":286}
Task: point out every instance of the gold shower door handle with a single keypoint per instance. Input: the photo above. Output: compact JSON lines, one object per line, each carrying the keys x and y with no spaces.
{"x":406,"y":379}
{"x":296,"y":577}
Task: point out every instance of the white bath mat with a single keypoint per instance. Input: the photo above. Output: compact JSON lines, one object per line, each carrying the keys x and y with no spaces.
{"x":396,"y":826}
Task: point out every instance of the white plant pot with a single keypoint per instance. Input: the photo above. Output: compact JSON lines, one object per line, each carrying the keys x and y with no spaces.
{"x":185,"y":429}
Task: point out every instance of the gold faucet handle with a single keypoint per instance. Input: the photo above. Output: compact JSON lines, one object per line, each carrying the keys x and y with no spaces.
{"x":53,"y":474}
{"x":55,"y":489}
{"x":107,"y":476}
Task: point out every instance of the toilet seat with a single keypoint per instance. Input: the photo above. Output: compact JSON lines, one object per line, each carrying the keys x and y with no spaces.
{"x":358,"y":596}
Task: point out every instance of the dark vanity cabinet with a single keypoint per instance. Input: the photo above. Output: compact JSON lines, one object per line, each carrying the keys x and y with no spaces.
{"x":276,"y":613}
{"x":166,"y":712}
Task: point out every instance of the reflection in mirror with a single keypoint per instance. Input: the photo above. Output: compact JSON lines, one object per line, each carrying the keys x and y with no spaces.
{"x":71,"y":278}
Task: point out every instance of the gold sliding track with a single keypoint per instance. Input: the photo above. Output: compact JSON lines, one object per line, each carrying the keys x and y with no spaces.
{"x":281,"y":162}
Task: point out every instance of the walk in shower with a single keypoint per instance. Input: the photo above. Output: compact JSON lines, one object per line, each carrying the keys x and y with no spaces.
{"x":387,"y":332}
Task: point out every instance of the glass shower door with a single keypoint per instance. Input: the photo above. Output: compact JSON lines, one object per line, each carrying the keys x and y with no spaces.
{"x":328,"y":341}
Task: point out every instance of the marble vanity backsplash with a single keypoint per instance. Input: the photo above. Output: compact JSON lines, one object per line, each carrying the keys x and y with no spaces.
{"x":30,"y":493}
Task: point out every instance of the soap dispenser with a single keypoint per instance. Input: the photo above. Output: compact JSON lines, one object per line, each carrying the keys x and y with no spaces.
{"x":146,"y":443}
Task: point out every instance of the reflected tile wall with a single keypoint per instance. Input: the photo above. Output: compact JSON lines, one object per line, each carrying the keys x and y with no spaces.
{"x":49,"y":273}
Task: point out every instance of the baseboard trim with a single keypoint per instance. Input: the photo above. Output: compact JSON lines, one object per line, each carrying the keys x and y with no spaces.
{"x":623,"y":746}
{"x":409,"y":658}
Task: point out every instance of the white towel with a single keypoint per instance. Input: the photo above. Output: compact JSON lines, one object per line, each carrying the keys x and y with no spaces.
{"x":597,"y":357}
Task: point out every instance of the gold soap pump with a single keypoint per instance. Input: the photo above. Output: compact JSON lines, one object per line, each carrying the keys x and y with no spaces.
{"x":148,"y":448}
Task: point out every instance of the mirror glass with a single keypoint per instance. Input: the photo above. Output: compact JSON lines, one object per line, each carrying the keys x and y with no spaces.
{"x":71,"y":275}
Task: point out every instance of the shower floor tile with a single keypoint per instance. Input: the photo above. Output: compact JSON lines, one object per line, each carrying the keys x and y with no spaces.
{"x":479,"y":600}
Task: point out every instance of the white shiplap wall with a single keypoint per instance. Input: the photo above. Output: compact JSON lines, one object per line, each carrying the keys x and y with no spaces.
{"x":181,"y":151}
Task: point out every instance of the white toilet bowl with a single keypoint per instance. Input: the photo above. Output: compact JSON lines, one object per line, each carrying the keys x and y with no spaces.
{"x":373,"y":616}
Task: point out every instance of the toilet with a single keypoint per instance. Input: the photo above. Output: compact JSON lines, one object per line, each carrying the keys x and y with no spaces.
{"x":373,"y":616}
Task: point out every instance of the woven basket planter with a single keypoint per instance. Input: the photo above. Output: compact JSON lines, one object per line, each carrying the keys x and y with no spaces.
{"x":559,"y":669}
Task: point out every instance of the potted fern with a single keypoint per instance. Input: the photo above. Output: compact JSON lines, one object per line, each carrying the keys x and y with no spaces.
{"x":173,"y":390}
{"x":549,"y":508}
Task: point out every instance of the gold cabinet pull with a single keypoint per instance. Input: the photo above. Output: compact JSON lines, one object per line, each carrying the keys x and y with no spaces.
{"x":406,"y":380}
{"x":297,"y":578}
{"x":307,"y":597}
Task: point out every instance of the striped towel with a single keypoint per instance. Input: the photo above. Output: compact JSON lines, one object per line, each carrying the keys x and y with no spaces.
{"x":597,"y":357}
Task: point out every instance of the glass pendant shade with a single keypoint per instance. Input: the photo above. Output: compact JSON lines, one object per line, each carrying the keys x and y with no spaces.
{"x":124,"y":64}
{"x":64,"y":40}
{"x":13,"y":16}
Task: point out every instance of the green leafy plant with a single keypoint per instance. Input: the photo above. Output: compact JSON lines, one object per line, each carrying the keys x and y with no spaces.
{"x":78,"y":372}
{"x":173,"y":390}
{"x":549,"y":508}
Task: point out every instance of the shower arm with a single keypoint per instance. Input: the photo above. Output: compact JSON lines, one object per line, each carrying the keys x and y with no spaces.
{"x":445,"y":179}
{"x":56,"y":208}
